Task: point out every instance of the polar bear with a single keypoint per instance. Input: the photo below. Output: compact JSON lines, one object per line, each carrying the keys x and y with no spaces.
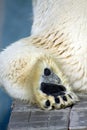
{"x":49,"y":68}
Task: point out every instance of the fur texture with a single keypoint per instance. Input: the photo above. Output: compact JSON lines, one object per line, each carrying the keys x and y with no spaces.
{"x":58,"y":41}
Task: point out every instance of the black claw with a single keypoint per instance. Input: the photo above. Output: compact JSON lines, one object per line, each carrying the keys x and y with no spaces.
{"x":70,"y":96}
{"x":47,"y":103}
{"x":64,"y":98}
{"x":53,"y":107}
{"x":57,"y":100}
{"x":47,"y":72}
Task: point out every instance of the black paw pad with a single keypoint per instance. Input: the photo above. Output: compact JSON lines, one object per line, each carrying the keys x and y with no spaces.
{"x":64,"y":98}
{"x":43,"y":85}
{"x":47,"y":71}
{"x":47,"y":103}
{"x":52,"y":89}
{"x":70,"y":96}
{"x":57,"y":100}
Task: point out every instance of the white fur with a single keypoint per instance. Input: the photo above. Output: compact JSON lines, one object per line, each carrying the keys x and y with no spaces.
{"x":59,"y":29}
{"x":70,"y":18}
{"x":16,"y":63}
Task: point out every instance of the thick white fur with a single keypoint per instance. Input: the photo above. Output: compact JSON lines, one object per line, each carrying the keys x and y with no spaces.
{"x":22,"y":66}
{"x":59,"y":38}
{"x":64,"y":24}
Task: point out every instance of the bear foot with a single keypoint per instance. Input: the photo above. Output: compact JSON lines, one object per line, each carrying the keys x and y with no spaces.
{"x":52,"y":94}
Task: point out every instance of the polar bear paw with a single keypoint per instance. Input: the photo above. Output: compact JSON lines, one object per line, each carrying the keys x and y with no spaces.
{"x":52,"y":94}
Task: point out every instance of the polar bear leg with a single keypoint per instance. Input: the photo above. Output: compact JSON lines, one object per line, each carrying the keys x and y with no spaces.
{"x":30,"y":73}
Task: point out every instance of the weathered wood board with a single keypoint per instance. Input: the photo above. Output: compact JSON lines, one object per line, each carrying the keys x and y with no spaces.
{"x":26,"y":117}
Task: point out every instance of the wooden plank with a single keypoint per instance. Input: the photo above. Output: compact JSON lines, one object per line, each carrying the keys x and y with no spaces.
{"x":78,"y":116}
{"x":27,"y":117}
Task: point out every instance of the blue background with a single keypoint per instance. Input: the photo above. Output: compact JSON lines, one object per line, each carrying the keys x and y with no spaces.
{"x":15,"y":23}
